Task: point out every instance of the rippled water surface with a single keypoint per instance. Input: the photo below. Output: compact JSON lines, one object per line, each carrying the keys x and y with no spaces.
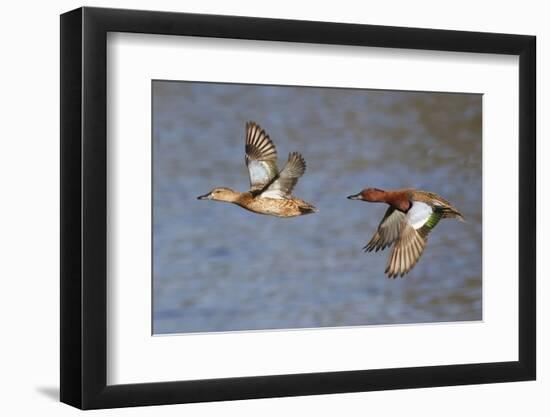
{"x":217,"y":267}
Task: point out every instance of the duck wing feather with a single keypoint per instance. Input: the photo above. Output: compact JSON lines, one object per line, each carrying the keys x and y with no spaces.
{"x":413,"y":237}
{"x":283,"y":184}
{"x":260,"y":157}
{"x":387,"y":232}
{"x":406,"y":251}
{"x":436,"y":201}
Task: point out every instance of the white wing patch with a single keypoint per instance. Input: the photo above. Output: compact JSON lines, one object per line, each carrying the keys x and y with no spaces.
{"x":275,"y":194}
{"x":419,"y":214}
{"x":259,"y":172}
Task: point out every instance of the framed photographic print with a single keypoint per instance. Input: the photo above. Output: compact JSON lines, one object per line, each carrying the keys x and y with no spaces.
{"x":259,"y":207}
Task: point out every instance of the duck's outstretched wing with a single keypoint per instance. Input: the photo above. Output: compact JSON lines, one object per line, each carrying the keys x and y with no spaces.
{"x":387,"y":232}
{"x":406,"y":252}
{"x":260,"y":157}
{"x":413,"y":237}
{"x":283,"y":184}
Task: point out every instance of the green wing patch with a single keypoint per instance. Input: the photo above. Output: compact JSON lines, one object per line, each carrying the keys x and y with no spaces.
{"x":431,"y":222}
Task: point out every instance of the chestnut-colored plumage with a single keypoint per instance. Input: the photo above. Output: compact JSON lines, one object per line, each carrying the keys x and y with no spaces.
{"x":411,"y":216}
{"x":270,"y":189}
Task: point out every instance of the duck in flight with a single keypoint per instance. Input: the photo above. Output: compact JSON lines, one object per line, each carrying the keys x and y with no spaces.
{"x":270,"y":189}
{"x":411,"y":216}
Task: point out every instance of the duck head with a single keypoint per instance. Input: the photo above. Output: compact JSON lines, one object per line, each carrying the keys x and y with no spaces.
{"x":373,"y":195}
{"x":220,"y":194}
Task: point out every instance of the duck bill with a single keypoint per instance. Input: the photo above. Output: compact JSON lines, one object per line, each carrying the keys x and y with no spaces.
{"x":204,"y":197}
{"x":355,"y":197}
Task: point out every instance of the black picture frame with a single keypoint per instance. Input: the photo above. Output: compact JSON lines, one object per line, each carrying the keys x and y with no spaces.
{"x":84,"y":207}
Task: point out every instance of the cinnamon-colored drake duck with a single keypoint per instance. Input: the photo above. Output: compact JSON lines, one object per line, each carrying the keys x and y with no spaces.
{"x":270,"y":189}
{"x":411,"y":216}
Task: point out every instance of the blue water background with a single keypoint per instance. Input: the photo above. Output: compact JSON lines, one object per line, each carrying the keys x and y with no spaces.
{"x":217,"y":267}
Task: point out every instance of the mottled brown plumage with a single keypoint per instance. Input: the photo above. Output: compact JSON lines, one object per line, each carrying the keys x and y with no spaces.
{"x":270,"y":189}
{"x":411,"y":216}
